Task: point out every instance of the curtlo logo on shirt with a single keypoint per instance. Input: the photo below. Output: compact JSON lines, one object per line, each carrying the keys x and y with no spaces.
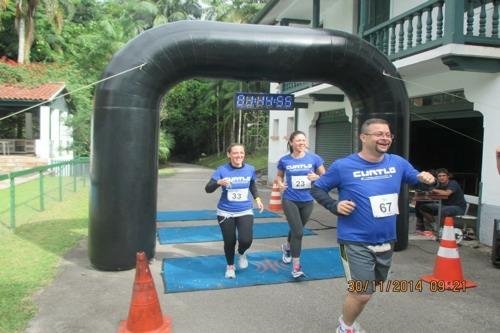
{"x":373,"y":174}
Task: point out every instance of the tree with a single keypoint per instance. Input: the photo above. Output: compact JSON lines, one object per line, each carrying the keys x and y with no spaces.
{"x":3,"y":6}
{"x":236,"y":11}
{"x":25,"y":23}
{"x":215,"y":9}
{"x":186,"y":115}
{"x":176,"y":10}
{"x":97,"y":31}
{"x":134,"y":16}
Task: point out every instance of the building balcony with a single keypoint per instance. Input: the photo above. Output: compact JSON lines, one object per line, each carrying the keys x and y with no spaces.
{"x":433,"y":24}
{"x":436,"y":23}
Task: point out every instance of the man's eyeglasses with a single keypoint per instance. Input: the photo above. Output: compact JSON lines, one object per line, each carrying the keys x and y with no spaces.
{"x":381,"y":135}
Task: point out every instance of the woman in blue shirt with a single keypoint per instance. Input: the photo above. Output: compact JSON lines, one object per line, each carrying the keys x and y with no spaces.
{"x":296,"y":171}
{"x":234,"y":210}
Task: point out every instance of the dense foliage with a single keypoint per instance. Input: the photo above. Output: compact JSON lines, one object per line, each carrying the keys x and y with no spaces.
{"x":73,"y":40}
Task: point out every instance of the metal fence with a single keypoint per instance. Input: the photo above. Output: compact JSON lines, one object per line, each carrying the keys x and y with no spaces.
{"x":31,"y":191}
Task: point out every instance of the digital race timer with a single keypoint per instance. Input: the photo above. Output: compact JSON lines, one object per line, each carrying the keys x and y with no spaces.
{"x":261,"y":101}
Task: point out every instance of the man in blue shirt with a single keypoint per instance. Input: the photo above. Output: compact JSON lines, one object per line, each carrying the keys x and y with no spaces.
{"x":368,"y":183}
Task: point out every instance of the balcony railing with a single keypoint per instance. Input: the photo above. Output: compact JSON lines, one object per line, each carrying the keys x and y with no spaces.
{"x":436,"y":23}
{"x":290,"y":87}
{"x":17,"y":146}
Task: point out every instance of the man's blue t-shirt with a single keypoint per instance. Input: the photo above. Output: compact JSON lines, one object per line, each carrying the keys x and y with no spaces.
{"x":374,"y":188}
{"x":237,"y":196}
{"x":296,"y":170}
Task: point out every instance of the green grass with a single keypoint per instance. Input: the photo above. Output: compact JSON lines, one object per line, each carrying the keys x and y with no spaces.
{"x":166,"y":172}
{"x":258,"y":159}
{"x":30,"y":256}
{"x":27,"y":198}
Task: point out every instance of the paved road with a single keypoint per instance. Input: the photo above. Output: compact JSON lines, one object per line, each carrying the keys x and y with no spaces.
{"x":82,"y":299}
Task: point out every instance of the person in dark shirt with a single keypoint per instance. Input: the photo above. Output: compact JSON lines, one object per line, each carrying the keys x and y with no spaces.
{"x":454,"y":205}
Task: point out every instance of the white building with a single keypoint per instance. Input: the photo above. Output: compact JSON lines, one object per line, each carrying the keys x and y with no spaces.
{"x":448,"y":54}
{"x":40,"y":131}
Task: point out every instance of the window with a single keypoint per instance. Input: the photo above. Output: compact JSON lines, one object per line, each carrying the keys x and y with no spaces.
{"x":439,"y":99}
{"x":377,"y":12}
{"x":276,"y":129}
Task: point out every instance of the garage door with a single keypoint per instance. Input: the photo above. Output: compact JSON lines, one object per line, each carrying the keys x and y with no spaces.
{"x":333,"y":136}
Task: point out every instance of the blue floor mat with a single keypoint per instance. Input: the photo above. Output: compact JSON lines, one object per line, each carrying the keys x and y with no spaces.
{"x":204,"y":214}
{"x":207,"y":272}
{"x":212,"y":233}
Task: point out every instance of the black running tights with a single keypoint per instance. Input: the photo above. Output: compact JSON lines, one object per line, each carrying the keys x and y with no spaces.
{"x":297,"y":213}
{"x":228,"y":226}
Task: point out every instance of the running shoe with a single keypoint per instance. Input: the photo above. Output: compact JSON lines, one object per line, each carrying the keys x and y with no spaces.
{"x":287,"y":256}
{"x":230,"y":274}
{"x":297,"y":272}
{"x":355,"y":328}
{"x":242,"y":261}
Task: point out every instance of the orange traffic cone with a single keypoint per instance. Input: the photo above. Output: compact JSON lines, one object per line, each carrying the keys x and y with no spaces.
{"x":447,"y":267}
{"x":275,"y":201}
{"x":145,"y":312}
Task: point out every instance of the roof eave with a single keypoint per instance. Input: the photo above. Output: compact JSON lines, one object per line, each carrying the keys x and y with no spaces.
{"x":54,"y":95}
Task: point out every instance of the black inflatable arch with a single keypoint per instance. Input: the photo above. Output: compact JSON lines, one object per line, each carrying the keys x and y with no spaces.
{"x":126,"y":118}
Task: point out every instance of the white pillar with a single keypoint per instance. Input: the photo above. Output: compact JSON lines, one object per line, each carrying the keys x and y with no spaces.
{"x":43,"y":145}
{"x":55,"y":126}
{"x":65,"y":136}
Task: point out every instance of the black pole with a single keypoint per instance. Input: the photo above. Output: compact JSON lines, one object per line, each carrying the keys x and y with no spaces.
{"x":315,"y":14}
{"x":495,"y":250}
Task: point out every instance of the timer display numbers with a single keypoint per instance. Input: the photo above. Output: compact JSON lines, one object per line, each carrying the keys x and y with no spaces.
{"x":258,"y":101}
